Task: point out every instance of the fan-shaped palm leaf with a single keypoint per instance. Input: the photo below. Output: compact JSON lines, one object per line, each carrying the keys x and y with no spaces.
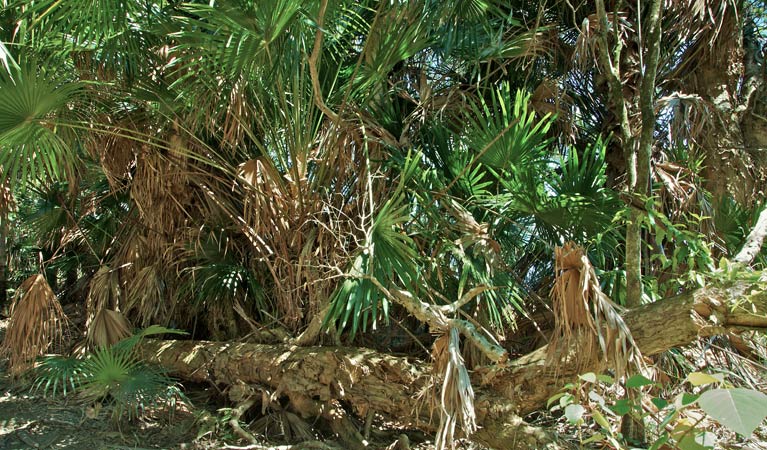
{"x":32,"y":108}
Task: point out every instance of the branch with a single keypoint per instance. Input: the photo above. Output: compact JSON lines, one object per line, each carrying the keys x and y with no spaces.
{"x":313,"y":59}
{"x":754,"y":241}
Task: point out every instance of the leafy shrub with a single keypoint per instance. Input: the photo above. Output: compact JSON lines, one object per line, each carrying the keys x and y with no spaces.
{"x":590,"y":399}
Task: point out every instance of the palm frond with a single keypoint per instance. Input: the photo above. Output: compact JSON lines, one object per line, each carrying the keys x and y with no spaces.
{"x":37,"y":323}
{"x":32,"y":107}
{"x":589,"y":327}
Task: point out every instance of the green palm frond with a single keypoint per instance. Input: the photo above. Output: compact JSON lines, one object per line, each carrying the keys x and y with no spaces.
{"x":110,"y":34}
{"x":236,"y":35}
{"x":388,"y":255}
{"x":219,"y":273}
{"x":56,"y":374}
{"x":34,"y":111}
{"x":113,"y":374}
{"x":505,"y":134}
{"x":581,"y":195}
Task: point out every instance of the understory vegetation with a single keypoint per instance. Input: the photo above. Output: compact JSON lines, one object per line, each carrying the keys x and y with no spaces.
{"x":523,"y":224}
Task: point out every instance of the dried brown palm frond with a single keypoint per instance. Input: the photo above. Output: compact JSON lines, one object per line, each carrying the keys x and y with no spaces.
{"x":117,"y":156}
{"x":588,"y":326}
{"x":272,"y":214}
{"x":36,"y":324}
{"x":107,"y":328}
{"x":147,"y":296}
{"x":301,"y":229}
{"x":105,"y":292}
{"x":587,"y":45}
{"x":104,"y":324}
{"x":457,"y":396}
{"x":550,"y":98}
{"x":681,"y":194}
{"x":160,"y":186}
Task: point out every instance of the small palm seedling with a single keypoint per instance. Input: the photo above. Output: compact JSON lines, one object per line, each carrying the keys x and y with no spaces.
{"x":113,"y":374}
{"x":37,"y":323}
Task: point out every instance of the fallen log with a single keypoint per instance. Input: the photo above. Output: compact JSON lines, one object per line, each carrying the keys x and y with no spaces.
{"x":398,"y":388}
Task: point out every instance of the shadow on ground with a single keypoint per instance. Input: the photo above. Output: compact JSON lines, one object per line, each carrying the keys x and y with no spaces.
{"x":32,"y":422}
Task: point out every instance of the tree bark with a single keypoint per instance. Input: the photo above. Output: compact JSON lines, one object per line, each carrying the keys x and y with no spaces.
{"x":394,"y":387}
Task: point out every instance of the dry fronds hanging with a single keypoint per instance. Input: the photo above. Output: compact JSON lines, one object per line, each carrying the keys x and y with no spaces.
{"x":457,"y":396}
{"x":117,"y":156}
{"x":37,"y":322}
{"x":147,"y":297}
{"x":104,"y":293}
{"x":104,"y":324}
{"x":161,"y":187}
{"x":107,"y":328}
{"x":587,"y":322}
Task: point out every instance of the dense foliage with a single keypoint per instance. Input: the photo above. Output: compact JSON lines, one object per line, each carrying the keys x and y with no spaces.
{"x":226,"y":166}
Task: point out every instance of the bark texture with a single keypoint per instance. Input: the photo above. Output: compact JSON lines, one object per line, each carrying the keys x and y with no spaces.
{"x":399,"y":388}
{"x":730,"y":82}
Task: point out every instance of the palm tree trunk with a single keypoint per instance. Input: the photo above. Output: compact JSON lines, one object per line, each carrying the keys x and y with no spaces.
{"x":735,"y":135}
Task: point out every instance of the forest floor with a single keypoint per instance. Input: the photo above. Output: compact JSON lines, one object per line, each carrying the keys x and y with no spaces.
{"x":33,"y":422}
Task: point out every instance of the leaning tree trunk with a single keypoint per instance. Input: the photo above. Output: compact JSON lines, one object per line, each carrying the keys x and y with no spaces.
{"x":372,"y":382}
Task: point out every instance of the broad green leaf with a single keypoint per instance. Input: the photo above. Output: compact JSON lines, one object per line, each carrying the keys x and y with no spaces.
{"x":659,"y":403}
{"x":685,"y":399}
{"x":554,"y":398}
{"x":621,"y":407}
{"x":589,"y":377}
{"x":574,"y":413}
{"x":607,"y":379}
{"x":637,"y":381}
{"x":701,"y":379}
{"x":689,"y":438}
{"x":566,"y":400}
{"x":741,"y":410}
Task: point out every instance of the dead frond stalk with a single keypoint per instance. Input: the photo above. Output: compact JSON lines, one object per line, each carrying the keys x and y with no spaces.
{"x":588,"y":325}
{"x":457,"y":397}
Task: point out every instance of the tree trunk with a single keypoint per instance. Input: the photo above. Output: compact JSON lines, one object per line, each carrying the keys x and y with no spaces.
{"x":393,"y":387}
{"x":735,"y":135}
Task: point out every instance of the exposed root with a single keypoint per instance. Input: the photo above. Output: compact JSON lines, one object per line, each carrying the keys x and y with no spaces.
{"x":234,"y":422}
{"x":335,"y":415}
{"x":341,"y":425}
